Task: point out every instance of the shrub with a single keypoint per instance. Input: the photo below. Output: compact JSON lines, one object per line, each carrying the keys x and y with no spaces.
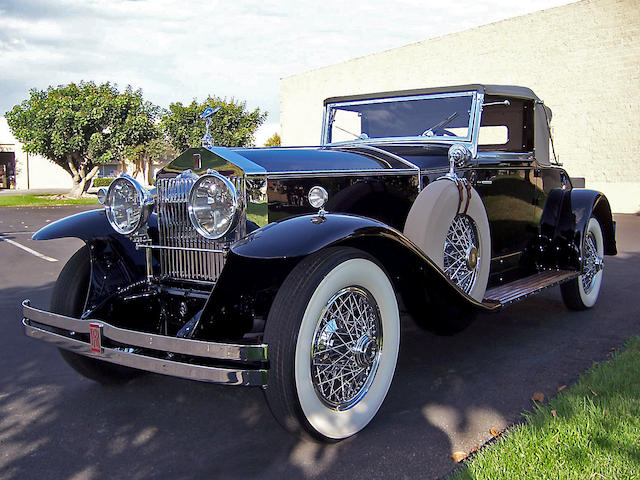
{"x":102,"y":182}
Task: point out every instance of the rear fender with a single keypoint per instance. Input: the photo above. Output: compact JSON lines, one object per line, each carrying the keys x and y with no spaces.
{"x":564,"y":220}
{"x":257,"y":265}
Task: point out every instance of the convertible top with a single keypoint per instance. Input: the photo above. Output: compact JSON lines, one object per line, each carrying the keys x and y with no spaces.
{"x":542,"y":112}
{"x":507,"y":90}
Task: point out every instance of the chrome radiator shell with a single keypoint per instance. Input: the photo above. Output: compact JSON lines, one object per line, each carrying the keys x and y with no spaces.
{"x":187,"y":258}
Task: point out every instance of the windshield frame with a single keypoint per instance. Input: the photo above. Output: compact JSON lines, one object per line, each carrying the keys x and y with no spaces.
{"x":474,"y":115}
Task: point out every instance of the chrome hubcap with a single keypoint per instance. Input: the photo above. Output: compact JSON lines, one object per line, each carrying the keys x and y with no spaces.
{"x":591,"y":263}
{"x":346,"y":348}
{"x":472,"y":257}
{"x":461,"y":247}
{"x":365,"y":351}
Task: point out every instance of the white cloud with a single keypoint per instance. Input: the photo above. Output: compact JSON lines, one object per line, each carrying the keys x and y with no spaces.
{"x":176,"y":51}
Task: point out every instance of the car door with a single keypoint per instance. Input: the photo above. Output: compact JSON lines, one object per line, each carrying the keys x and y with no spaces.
{"x":508,"y":193}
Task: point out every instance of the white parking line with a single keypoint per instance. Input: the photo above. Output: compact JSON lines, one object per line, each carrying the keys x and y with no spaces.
{"x":28,"y":250}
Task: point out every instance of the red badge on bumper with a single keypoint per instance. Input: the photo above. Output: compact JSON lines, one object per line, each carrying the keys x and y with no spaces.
{"x":95,"y":336}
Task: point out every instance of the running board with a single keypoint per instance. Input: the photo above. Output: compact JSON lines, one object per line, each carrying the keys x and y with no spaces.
{"x":520,"y":289}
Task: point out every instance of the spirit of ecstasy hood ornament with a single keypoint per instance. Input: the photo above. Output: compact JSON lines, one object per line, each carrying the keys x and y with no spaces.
{"x":207,"y":139}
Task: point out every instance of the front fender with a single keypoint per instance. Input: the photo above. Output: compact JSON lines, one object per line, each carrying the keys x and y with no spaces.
{"x":257,"y":265}
{"x":83,"y":225}
{"x":92,"y":226}
{"x":303,"y":235}
{"x":115,"y":260}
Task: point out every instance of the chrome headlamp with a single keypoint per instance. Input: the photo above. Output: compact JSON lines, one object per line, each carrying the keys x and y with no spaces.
{"x":213,"y":206}
{"x":127,"y":204}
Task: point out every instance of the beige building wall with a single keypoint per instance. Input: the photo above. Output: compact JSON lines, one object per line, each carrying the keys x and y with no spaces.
{"x":582,"y":59}
{"x":32,"y":171}
{"x":36,"y":172}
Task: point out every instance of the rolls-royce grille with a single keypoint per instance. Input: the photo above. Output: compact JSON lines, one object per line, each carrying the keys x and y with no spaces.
{"x":183,"y":260}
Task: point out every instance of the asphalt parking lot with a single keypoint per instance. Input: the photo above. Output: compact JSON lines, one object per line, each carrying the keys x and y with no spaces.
{"x":447,"y":393}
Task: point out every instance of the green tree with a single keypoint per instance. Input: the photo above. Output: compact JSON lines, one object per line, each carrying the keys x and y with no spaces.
{"x":232,"y":126}
{"x":143,"y":157}
{"x":273,"y":140}
{"x":79,"y":126}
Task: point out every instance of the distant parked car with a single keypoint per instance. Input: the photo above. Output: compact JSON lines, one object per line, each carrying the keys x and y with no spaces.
{"x":285,"y":268}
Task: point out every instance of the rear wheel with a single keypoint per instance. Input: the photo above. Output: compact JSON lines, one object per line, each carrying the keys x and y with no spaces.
{"x":68,"y":298}
{"x":333,"y":333}
{"x":582,"y":292}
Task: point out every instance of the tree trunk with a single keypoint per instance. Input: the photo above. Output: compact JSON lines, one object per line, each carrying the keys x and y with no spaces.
{"x":81,"y":179}
{"x":78,"y":182}
{"x":77,"y":189}
{"x":149,"y":163}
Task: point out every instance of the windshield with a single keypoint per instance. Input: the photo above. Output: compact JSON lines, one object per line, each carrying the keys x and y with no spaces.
{"x":441,"y":116}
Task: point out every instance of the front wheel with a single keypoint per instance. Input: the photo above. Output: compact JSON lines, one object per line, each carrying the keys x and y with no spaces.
{"x":333,"y":333}
{"x":582,"y":292}
{"x":68,"y":298}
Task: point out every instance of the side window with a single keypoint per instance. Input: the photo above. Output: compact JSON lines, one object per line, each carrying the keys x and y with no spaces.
{"x":506,"y":128}
{"x":493,"y":135}
{"x":347,"y":125}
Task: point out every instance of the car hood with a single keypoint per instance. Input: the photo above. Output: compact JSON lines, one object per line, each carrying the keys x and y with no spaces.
{"x":255,"y":161}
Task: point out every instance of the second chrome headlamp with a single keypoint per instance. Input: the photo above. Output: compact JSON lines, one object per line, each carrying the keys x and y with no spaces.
{"x":213,"y":206}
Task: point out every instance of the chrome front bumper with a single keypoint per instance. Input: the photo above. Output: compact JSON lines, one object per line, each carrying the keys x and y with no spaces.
{"x":61,"y":330}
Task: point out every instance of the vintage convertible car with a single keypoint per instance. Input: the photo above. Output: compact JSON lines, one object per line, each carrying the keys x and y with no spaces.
{"x":286,"y":268}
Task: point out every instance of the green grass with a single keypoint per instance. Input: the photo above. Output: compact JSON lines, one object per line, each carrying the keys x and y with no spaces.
{"x":595,"y":435}
{"x":36,"y":200}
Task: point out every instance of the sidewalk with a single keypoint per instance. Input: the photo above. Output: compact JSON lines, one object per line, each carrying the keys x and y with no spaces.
{"x":34,"y":191}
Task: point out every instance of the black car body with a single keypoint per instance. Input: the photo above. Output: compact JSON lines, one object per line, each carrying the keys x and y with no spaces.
{"x":444,"y":201}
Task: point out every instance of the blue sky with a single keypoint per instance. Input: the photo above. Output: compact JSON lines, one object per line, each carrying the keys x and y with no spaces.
{"x":180,"y":50}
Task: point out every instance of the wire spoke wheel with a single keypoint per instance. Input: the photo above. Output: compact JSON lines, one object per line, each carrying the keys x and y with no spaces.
{"x":582,"y":292}
{"x":461,"y":252}
{"x":346,"y":348}
{"x":328,"y":370}
{"x":592,"y":263}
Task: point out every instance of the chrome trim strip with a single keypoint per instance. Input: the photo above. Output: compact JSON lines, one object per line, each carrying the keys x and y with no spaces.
{"x":400,"y":159}
{"x":384,"y":152}
{"x":470,"y":93}
{"x":488,"y":157}
{"x":404,"y":140}
{"x":344,"y":171}
{"x":202,"y":373}
{"x":198,"y":348}
{"x":339,"y":173}
{"x":191,"y":249}
{"x":476,"y":115}
{"x":439,"y":171}
{"x":390,"y":98}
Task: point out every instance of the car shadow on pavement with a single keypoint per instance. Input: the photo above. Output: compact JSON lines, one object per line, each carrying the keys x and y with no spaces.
{"x":447,"y":393}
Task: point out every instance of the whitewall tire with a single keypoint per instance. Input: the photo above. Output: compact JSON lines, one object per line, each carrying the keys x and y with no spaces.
{"x":333,"y":335}
{"x":582,"y":292}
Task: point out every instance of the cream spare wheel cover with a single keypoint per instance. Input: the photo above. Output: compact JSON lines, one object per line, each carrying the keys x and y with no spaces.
{"x":432,"y":214}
